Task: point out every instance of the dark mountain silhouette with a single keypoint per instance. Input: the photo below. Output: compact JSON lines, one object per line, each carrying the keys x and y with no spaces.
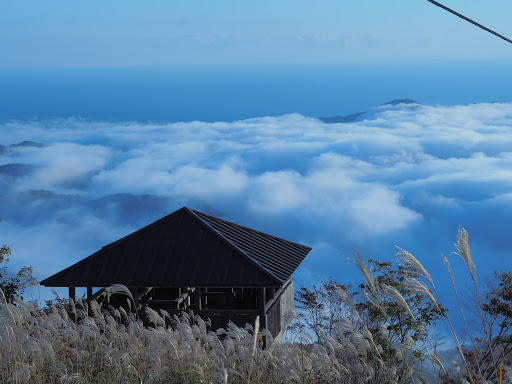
{"x":401,"y":101}
{"x":342,"y":119}
{"x":355,"y":116}
{"x":14,"y":169}
{"x":27,"y":144}
{"x":5,"y":148}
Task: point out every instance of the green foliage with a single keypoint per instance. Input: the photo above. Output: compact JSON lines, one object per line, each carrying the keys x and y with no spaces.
{"x":498,"y":305}
{"x":4,"y":252}
{"x":14,"y":285}
{"x":497,"y":347}
{"x":398,"y":317}
{"x":382,"y":309}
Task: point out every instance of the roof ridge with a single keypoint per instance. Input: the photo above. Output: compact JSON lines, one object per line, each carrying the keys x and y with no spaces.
{"x":254,"y":230}
{"x":196,"y":214}
{"x":245,"y":255}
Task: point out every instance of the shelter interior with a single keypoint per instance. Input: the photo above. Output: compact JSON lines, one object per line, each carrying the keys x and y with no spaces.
{"x":241,"y":305}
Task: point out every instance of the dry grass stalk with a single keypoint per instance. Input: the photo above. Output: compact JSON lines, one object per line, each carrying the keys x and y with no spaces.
{"x":411,"y":263}
{"x":98,"y":348}
{"x":108,"y":346}
{"x":462,"y":246}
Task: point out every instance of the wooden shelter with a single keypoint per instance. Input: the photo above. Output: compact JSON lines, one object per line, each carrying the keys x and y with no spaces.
{"x":190,"y":260}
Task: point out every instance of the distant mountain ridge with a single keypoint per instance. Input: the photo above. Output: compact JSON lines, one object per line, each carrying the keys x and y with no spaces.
{"x":355,"y":116}
{"x":342,"y":119}
{"x":26,"y":143}
{"x":401,"y":101}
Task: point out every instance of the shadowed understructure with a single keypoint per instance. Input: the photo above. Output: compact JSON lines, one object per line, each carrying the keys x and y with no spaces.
{"x":192,"y":261}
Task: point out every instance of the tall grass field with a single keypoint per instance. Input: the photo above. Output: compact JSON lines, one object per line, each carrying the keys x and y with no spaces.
{"x":109,"y":345}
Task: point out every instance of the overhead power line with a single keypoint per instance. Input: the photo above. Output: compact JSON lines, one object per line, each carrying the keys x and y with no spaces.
{"x":469,"y":20}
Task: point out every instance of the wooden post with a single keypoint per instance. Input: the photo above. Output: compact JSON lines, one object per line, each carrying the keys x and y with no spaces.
{"x":135,"y":293}
{"x":261,"y":310}
{"x":72,"y":293}
{"x":136,"y":298}
{"x":89,"y":292}
{"x":197,"y":299}
{"x":261,"y":304}
{"x":271,"y":292}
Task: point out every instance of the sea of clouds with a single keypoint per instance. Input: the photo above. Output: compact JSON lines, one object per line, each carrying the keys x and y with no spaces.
{"x":408,"y":175}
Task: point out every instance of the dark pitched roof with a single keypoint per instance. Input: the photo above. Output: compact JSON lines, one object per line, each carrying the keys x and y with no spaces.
{"x":187,"y":248}
{"x":280,"y":257}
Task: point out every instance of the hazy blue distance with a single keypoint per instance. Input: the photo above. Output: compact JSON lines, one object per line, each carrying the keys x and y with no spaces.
{"x":228,"y":93}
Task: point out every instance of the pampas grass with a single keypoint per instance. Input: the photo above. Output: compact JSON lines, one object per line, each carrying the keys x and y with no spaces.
{"x":98,"y":345}
{"x":45,"y":348}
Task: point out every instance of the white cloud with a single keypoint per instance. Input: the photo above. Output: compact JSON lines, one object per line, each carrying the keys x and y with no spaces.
{"x":405,"y":175}
{"x":208,"y":184}
{"x":61,"y":165}
{"x":379,"y":211}
{"x":65,"y":162}
{"x":277,"y":192}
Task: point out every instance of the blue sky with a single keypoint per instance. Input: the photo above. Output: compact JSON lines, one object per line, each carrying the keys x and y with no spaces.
{"x":159,"y":33}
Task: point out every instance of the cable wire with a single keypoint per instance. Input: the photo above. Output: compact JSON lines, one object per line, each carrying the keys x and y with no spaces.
{"x":469,"y":20}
